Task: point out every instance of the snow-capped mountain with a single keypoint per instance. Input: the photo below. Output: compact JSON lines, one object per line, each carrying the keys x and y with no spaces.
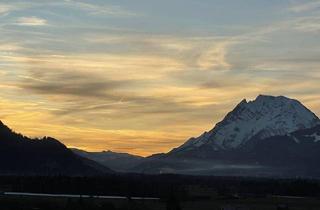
{"x":269,"y":136}
{"x":264,"y":117}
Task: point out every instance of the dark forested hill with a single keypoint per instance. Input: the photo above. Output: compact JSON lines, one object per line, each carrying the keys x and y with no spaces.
{"x":21,"y":155}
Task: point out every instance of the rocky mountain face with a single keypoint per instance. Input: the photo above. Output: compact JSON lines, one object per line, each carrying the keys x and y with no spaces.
{"x":20,"y":155}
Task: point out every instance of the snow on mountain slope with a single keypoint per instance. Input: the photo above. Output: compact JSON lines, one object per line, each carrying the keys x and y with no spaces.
{"x":264,"y":117}
{"x":316,"y":137}
{"x":311,"y":134}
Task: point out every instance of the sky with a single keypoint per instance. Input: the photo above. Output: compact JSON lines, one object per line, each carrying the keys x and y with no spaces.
{"x":143,"y":76}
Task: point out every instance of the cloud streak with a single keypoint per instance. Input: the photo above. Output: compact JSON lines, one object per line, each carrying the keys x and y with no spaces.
{"x":31,"y":21}
{"x":214,"y":58}
{"x":102,"y":9}
{"x":305,"y":7}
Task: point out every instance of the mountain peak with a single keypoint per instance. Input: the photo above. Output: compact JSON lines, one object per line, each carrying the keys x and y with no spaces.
{"x":2,"y":124}
{"x":4,"y":129}
{"x":265,"y":99}
{"x":262,"y":97}
{"x":261,"y":118}
{"x":244,"y":101}
{"x":268,"y":97}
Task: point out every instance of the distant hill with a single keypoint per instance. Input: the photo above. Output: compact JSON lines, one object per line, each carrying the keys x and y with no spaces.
{"x":113,"y":160}
{"x":20,"y":155}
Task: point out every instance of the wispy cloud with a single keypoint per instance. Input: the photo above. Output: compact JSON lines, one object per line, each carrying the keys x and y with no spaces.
{"x":204,"y":53}
{"x":4,"y":9}
{"x":87,"y":7}
{"x":11,"y":6}
{"x":305,"y":7}
{"x":9,"y":47}
{"x":103,"y":9}
{"x":308,"y":24}
{"x":214,"y":58}
{"x":73,"y":83}
{"x":31,"y":21}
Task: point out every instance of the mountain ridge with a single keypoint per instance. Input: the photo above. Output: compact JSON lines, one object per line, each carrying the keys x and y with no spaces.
{"x":21,"y":155}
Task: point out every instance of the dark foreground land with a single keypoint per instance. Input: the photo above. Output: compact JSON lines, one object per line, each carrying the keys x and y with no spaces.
{"x":158,"y":192}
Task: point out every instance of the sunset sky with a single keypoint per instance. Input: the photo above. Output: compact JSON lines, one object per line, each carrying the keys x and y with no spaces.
{"x":142,"y":76}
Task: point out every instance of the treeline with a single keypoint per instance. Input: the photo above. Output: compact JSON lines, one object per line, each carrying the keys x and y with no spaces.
{"x":159,"y":185}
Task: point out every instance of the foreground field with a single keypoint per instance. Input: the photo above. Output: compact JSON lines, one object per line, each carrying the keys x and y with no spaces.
{"x":160,"y":192}
{"x":26,"y":202}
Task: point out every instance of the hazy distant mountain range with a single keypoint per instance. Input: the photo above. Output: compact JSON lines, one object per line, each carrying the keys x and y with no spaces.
{"x":113,"y":160}
{"x":269,"y":136}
